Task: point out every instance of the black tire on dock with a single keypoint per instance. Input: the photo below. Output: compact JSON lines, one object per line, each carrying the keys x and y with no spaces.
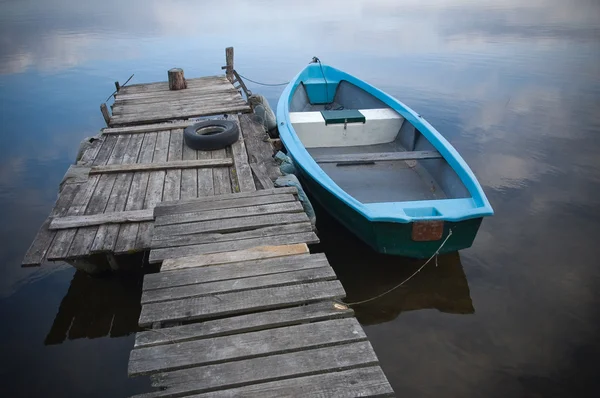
{"x":210,"y":135}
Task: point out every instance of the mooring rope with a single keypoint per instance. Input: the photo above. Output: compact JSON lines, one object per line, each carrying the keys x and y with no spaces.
{"x":407,"y":279}
{"x":263,"y":84}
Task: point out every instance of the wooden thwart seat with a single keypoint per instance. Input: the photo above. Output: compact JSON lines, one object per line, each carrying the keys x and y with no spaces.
{"x":377,"y":157}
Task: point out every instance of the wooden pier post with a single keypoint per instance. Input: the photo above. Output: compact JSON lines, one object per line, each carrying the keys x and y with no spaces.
{"x":176,"y":79}
{"x":117,"y":86}
{"x":104,"y":110}
{"x":229,"y":63}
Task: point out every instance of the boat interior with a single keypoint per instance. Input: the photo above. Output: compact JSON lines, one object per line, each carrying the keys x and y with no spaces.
{"x":368,"y":149}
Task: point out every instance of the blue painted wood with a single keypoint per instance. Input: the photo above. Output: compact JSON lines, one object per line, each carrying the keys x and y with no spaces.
{"x":453,"y":210}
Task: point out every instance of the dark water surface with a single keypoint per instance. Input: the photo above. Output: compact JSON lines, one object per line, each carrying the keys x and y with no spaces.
{"x":514,"y":86}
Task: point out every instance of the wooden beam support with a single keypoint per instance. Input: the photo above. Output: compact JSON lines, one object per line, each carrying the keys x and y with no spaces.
{"x":105,"y":114}
{"x":176,"y":79}
{"x":179,"y":164}
{"x":229,"y":63}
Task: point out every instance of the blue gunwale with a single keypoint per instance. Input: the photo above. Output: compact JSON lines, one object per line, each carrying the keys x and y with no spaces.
{"x":449,"y":209}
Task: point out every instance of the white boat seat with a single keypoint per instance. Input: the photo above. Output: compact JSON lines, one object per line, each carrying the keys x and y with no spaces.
{"x":376,"y":157}
{"x":379,"y":127}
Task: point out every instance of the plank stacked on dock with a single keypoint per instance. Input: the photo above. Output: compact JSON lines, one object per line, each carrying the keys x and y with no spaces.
{"x":260,"y":322}
{"x":154,"y":102}
{"x":128,"y":171}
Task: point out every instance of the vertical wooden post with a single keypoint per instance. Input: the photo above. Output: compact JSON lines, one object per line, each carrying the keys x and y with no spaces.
{"x":229,"y":63}
{"x":176,"y":79}
{"x":117,"y":86}
{"x":104,"y":110}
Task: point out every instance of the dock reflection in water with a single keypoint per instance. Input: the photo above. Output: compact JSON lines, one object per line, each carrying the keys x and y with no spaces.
{"x":98,"y":307}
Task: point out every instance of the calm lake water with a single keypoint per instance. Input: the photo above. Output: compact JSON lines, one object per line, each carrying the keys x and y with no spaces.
{"x":514,"y":86}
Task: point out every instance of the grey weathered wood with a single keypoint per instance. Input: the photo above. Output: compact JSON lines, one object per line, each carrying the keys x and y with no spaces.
{"x":272,"y":208}
{"x":221,"y":178}
{"x":39,"y":247}
{"x":190,"y":95}
{"x":189,"y":177}
{"x":259,"y":148}
{"x":159,"y":255}
{"x":244,"y":269}
{"x":237,"y":195}
{"x":240,"y":284}
{"x":260,"y":172}
{"x":319,"y":311}
{"x":184,"y":113}
{"x":223,"y":202}
{"x":206,"y":187}
{"x":200,"y":82}
{"x":181,"y":164}
{"x":147,"y":128}
{"x":362,"y":382}
{"x":155,"y":187}
{"x":105,"y":113}
{"x":102,"y":218}
{"x":176,"y":79}
{"x":82,"y":242}
{"x":92,"y":151}
{"x":196,"y":239}
{"x":234,"y":256}
{"x":229,"y":224}
{"x":223,"y":304}
{"x":264,"y":369}
{"x":229,"y":63}
{"x":243,"y":173}
{"x":172,"y":189}
{"x":242,"y":346}
{"x":376,"y":157}
{"x":182,"y":104}
{"x":101,"y":195}
{"x":127,"y":188}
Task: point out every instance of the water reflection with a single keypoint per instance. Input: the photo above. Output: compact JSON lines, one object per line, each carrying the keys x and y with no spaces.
{"x":98,"y":307}
{"x":366,"y":274}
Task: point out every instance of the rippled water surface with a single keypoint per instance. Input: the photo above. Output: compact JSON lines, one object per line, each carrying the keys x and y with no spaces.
{"x":514,"y":86}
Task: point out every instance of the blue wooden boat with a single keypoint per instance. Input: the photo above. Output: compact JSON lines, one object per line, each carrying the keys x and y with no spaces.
{"x":377,"y":166}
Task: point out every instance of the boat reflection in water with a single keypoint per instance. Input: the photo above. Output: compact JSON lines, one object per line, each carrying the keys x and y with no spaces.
{"x":366,"y":274}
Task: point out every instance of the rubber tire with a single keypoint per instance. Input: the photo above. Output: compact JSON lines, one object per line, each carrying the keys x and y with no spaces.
{"x":214,"y":141}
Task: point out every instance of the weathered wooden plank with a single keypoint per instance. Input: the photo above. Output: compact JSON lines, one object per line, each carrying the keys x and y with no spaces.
{"x":172,"y":187}
{"x":319,"y":311}
{"x":273,"y":208}
{"x":181,"y":164}
{"x":102,"y":218}
{"x":212,"y":93}
{"x":377,"y":157}
{"x":92,"y":151}
{"x":255,"y":253}
{"x":228,"y":224}
{"x":242,"y":346}
{"x":235,"y":270}
{"x":82,"y":242}
{"x":221,"y":179}
{"x":147,"y":128}
{"x":101,"y":194}
{"x":155,"y":187}
{"x":196,"y":239}
{"x":262,"y":192}
{"x":361,"y":382}
{"x":189,"y":177}
{"x":259,"y":149}
{"x":105,"y":151}
{"x":242,"y":168}
{"x":209,"y":288}
{"x":206,"y":187}
{"x":199,"y":82}
{"x":159,"y":255}
{"x":108,"y":235}
{"x":175,"y":104}
{"x":224,"y":202}
{"x":240,"y":302}
{"x":264,"y":369}
{"x":137,"y":118}
{"x":44,"y":237}
{"x":260,"y":171}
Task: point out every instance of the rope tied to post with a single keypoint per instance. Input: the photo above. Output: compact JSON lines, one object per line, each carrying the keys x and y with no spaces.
{"x":434,"y":255}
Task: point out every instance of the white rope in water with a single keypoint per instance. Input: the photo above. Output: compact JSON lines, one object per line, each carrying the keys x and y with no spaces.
{"x":407,"y":279}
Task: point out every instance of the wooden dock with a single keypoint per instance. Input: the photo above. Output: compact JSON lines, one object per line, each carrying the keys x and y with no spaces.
{"x":240,"y":307}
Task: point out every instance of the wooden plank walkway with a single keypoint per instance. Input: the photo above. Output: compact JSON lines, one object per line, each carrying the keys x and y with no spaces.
{"x":130,"y":170}
{"x":242,"y":308}
{"x":154,"y":102}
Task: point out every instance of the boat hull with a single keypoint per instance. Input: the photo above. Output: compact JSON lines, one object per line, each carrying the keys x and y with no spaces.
{"x":392,"y":238}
